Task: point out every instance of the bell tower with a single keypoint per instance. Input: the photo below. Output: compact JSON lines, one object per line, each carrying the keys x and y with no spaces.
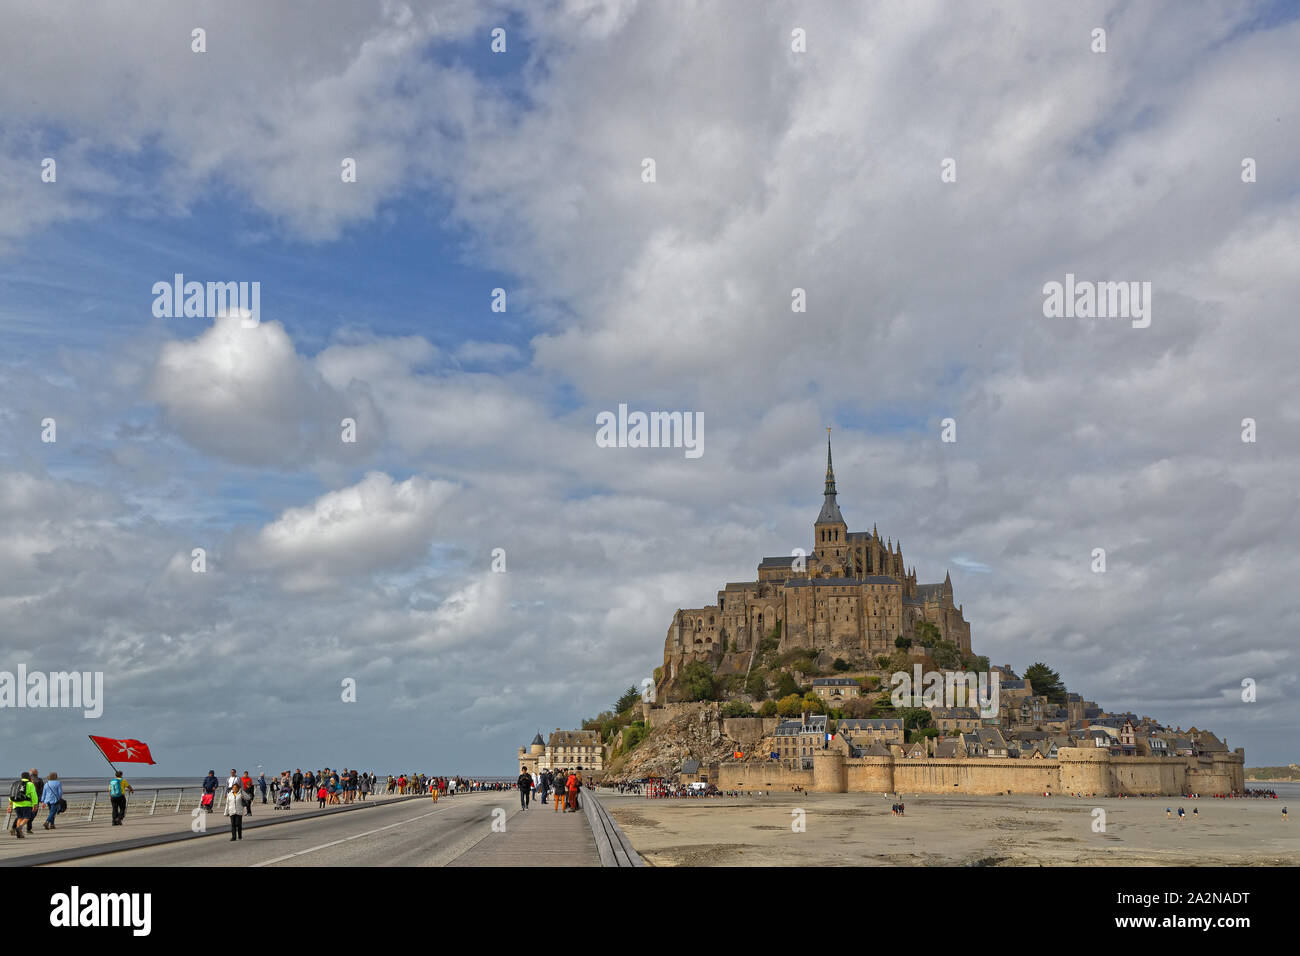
{"x":830,"y":533}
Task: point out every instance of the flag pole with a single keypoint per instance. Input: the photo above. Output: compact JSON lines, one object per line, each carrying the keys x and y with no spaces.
{"x":101,"y":752}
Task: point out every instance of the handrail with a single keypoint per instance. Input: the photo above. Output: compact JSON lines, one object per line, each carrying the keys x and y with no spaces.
{"x":77,"y":800}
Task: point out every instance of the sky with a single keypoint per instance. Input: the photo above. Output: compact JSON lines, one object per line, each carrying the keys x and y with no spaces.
{"x":822,"y":169}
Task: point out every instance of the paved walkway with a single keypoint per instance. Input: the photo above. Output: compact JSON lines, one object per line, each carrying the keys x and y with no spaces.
{"x":538,"y":836}
{"x":99,"y":835}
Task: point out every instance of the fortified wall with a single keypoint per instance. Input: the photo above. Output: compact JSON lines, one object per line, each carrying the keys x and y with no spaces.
{"x":1078,"y":770}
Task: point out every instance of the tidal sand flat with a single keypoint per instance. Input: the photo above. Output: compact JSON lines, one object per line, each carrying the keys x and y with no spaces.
{"x":854,"y":829}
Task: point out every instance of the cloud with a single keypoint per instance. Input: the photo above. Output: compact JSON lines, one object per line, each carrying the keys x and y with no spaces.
{"x":373,"y":525}
{"x":244,"y":394}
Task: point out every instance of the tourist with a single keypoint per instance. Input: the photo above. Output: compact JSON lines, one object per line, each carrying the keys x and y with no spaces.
{"x":246,"y":785}
{"x":38,"y":785}
{"x":261,"y":784}
{"x":22,"y":801}
{"x":209,"y":785}
{"x":297,"y":783}
{"x":1195,"y":813}
{"x":52,"y":797}
{"x":322,"y":794}
{"x":525,"y":783}
{"x":1284,"y":814}
{"x":236,"y":806}
{"x":1167,"y":813}
{"x":560,"y":777}
{"x":1180,"y":814}
{"x":117,"y":791}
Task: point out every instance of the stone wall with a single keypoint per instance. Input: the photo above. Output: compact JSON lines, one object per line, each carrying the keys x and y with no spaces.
{"x":1079,"y":770}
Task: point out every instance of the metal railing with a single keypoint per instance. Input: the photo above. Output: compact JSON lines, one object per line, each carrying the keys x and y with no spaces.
{"x":84,"y":804}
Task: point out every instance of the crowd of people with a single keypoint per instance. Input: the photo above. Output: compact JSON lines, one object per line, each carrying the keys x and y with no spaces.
{"x":564,"y":784}
{"x":29,"y":793}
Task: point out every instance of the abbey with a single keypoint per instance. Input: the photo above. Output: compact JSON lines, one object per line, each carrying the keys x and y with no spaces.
{"x":851,"y":596}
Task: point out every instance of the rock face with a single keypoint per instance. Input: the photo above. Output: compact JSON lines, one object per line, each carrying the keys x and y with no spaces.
{"x":695,"y":734}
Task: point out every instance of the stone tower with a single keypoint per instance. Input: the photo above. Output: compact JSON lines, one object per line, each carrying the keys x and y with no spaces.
{"x":830,"y":532}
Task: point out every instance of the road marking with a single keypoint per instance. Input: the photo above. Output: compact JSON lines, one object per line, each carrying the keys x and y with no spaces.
{"x":356,"y":836}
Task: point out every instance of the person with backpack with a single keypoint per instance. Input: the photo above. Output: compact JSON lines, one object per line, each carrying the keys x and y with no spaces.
{"x":117,"y":791}
{"x":22,"y":800}
{"x":52,"y":797}
{"x":35,"y":777}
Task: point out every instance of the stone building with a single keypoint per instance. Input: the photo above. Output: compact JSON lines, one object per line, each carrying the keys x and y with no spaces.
{"x":851,"y":596}
{"x":570,"y":749}
{"x":836,"y":690}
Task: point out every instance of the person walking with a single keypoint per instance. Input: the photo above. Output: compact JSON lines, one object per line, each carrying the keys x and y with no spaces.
{"x":22,"y":801}
{"x":235,"y":807}
{"x":297,"y":784}
{"x":560,"y":777}
{"x":52,"y":797}
{"x":261,"y":784}
{"x":525,"y":784}
{"x":246,"y":785}
{"x":210,"y":784}
{"x":38,"y":784}
{"x":117,"y":791}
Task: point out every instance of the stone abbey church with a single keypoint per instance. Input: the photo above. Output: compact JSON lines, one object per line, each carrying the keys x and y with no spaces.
{"x":850,"y":597}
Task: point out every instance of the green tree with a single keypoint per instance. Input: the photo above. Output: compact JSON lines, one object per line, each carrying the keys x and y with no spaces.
{"x":914,"y":718}
{"x":947,"y":655}
{"x":840,"y":664}
{"x":627,"y":701}
{"x":658,"y":676}
{"x":903,"y":642}
{"x":899,"y":661}
{"x":785,"y":685}
{"x":737,"y":708}
{"x":926,"y":633}
{"x":882,"y":661}
{"x":756,"y":685}
{"x":814,"y":703}
{"x":697,"y":681}
{"x":1046,"y":682}
{"x":790,"y":706}
{"x":769,"y":709}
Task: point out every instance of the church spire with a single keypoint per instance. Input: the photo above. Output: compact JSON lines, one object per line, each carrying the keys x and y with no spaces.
{"x":830,"y":472}
{"x":830,"y":513}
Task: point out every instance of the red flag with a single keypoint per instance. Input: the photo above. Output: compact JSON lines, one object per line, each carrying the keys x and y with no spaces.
{"x":122,"y":751}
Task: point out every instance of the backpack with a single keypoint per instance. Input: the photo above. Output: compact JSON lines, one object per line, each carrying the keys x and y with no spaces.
{"x":18,"y":791}
{"x":115,"y":787}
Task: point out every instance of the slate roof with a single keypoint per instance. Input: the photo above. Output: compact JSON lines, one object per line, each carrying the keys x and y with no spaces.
{"x":782,"y":561}
{"x":690,"y":766}
{"x":834,"y":682}
{"x":871,"y":723}
{"x":573,"y":738}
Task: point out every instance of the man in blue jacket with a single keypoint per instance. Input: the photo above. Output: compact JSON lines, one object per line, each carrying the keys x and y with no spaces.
{"x":52,"y":797}
{"x":210,"y":785}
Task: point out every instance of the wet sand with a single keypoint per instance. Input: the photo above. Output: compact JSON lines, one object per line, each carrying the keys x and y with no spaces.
{"x":857,"y":829}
